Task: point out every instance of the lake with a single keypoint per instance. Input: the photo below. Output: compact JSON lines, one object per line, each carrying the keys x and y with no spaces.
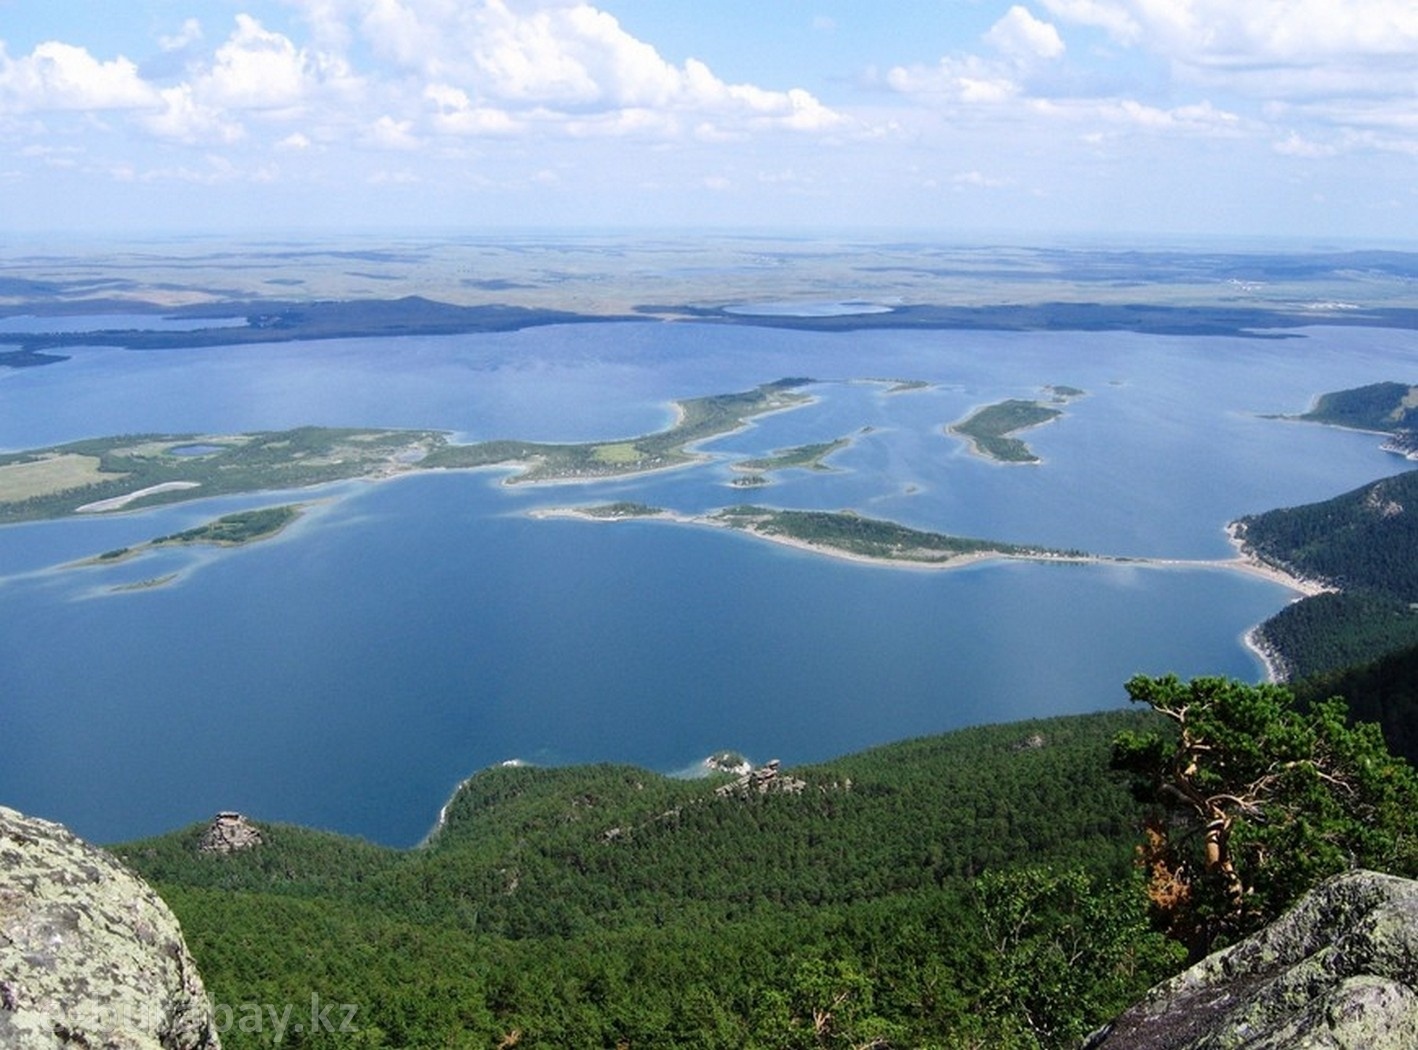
{"x":407,"y":633}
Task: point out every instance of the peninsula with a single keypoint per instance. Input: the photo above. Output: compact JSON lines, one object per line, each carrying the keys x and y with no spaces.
{"x":843,"y":534}
{"x":102,"y":475}
{"x":875,"y":541}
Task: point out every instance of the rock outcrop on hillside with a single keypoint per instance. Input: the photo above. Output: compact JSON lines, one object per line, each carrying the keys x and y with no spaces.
{"x":89,"y":955}
{"x":229,"y":833}
{"x":1337,"y":972}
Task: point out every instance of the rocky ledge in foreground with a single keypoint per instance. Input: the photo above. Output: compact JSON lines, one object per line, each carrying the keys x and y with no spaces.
{"x":1337,"y":972}
{"x":89,"y":955}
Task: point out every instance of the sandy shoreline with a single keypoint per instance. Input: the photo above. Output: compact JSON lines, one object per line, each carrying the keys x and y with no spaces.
{"x":1244,"y":562}
{"x":119,"y":502}
{"x":1247,"y":561}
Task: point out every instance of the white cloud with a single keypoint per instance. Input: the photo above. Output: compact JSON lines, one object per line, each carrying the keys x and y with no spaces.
{"x":1332,"y":69}
{"x":570,"y":62}
{"x":1254,"y":45}
{"x":256,"y":69}
{"x":398,"y":75}
{"x":56,"y":76}
{"x":1020,"y":34}
{"x":187,"y":119}
{"x":455,"y":114}
{"x":970,"y":80}
{"x":189,"y":34}
{"x":1022,"y":44}
{"x":1222,"y":31}
{"x":1107,"y":15}
{"x":389,"y":133}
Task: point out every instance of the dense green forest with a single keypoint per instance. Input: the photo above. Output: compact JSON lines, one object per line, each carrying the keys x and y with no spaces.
{"x":963,"y":890}
{"x":1365,"y":543}
{"x":1384,"y":691}
{"x":979,"y":888}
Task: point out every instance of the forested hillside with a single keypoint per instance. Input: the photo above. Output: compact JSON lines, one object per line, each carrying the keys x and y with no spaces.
{"x":1386,"y":407}
{"x":906,"y":896}
{"x":1383,"y":691}
{"x":1365,"y":543}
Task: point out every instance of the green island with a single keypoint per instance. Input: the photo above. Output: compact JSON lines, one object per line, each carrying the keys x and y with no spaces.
{"x":803,"y":457}
{"x":988,"y":429}
{"x":230,"y":530}
{"x":115,"y":473}
{"x":873,"y":539}
{"x":903,"y":386}
{"x":233,"y":530}
{"x":619,"y":510}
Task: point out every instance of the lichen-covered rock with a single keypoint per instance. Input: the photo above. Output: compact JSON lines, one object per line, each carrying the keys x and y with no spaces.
{"x":1337,"y":972}
{"x":89,"y":955}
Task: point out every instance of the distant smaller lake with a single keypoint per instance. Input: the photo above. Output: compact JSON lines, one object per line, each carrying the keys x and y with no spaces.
{"x":823,"y":308}
{"x":193,"y":450}
{"x":29,"y":324}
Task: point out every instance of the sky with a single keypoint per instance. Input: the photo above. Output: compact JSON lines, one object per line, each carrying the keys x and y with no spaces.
{"x":1293,"y":119}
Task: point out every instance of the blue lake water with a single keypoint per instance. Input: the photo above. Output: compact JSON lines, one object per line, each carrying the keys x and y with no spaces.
{"x":404,"y":634}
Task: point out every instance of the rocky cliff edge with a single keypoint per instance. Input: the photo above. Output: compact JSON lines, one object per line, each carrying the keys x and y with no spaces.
{"x":89,"y":955}
{"x":1337,"y":972}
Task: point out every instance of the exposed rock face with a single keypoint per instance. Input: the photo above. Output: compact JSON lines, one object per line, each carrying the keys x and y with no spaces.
{"x":89,"y":955}
{"x":1340,"y":970}
{"x":1403,"y":443}
{"x":229,"y":833}
{"x":766,"y":779}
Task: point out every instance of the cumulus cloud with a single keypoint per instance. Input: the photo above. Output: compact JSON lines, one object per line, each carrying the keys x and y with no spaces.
{"x":1339,"y":68}
{"x":1221,"y":31}
{"x":189,"y":34}
{"x":1020,"y":34}
{"x":1022,"y":44}
{"x":509,"y":57}
{"x":399,"y":74}
{"x":185,"y":118}
{"x":256,"y":69}
{"x":56,"y":76}
{"x":1310,"y":76}
{"x":1267,"y":48}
